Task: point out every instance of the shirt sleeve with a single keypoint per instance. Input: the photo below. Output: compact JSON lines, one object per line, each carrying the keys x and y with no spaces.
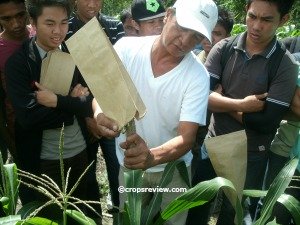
{"x":213,"y":64}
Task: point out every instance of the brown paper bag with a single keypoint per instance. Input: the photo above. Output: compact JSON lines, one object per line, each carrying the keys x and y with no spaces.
{"x":105,"y":74}
{"x":57,"y":72}
{"x":228,"y":155}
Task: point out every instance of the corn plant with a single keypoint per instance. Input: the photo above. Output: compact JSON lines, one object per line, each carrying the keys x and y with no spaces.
{"x":57,"y":195}
{"x":9,"y":187}
{"x":276,"y":193}
{"x":46,"y":186}
{"x":136,"y":214}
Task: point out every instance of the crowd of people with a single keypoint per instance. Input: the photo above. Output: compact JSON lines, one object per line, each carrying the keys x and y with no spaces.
{"x":246,"y":82}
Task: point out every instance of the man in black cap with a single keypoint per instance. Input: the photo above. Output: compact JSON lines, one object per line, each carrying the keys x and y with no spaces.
{"x":148,"y":16}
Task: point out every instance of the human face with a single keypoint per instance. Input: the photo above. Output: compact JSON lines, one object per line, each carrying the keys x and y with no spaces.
{"x":87,"y":9}
{"x":13,"y":18}
{"x":206,"y":45}
{"x":129,"y":27}
{"x":177,"y":40}
{"x":262,"y":20}
{"x":151,"y":27}
{"x":51,"y":27}
{"x":218,"y":34}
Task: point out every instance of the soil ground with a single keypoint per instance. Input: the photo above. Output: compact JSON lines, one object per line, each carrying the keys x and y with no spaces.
{"x":104,"y":188}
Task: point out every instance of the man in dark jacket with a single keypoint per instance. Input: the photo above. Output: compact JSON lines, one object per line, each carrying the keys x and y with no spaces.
{"x":40,"y":113}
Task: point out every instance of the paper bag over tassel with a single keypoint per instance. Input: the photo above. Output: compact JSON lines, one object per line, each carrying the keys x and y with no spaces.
{"x":57,"y":72}
{"x":228,"y":155}
{"x":105,"y":74}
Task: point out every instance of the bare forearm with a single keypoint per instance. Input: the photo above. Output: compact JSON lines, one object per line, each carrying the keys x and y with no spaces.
{"x":171,"y":150}
{"x":219,"y":103}
{"x":96,"y":108}
{"x":252,"y":103}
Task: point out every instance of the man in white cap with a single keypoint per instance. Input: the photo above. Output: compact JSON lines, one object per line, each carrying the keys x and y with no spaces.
{"x":174,"y":85}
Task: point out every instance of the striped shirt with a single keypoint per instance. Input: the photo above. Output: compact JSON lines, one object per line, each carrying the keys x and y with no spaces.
{"x":110,"y":25}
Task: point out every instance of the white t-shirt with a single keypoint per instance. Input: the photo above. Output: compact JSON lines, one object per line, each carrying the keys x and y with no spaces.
{"x":178,"y":95}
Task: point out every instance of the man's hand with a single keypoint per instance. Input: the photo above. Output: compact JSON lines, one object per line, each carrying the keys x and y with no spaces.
{"x":79,"y":91}
{"x":45,"y":97}
{"x":253,"y":103}
{"x":137,"y":154}
{"x":106,"y":126}
{"x":220,"y":103}
{"x":92,"y":127}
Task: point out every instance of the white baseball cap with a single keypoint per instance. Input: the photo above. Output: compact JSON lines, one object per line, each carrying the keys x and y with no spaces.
{"x":197,"y":15}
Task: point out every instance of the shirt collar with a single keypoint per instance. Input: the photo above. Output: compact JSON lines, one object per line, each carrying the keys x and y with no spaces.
{"x":266,"y":53}
{"x":42,"y":52}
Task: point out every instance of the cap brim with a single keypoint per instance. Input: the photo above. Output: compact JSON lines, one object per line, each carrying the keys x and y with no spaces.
{"x":153,"y":17}
{"x":190,"y":21}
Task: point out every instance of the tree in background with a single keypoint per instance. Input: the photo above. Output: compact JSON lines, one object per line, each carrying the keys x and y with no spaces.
{"x":115,"y":7}
{"x":237,"y":6}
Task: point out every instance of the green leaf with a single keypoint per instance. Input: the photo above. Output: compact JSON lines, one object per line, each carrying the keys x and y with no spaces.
{"x":199,"y":195}
{"x":36,"y":221}
{"x":273,"y":222}
{"x":10,"y":220}
{"x":80,"y":217}
{"x":12,"y":185}
{"x":255,"y":193}
{"x":181,"y":167}
{"x":292,"y":204}
{"x":124,"y":217}
{"x":29,"y":208}
{"x":276,"y":189}
{"x":4,"y":200}
{"x":133,"y":181}
{"x":153,"y":207}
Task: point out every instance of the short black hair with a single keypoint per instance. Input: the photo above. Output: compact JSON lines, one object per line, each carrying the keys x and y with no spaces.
{"x":225,"y":19}
{"x":283,"y":6}
{"x":35,"y":7}
{"x":125,"y":14}
{"x":14,"y":1}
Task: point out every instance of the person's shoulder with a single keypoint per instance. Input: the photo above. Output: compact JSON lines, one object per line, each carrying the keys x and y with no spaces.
{"x":20,"y":54}
{"x":195,"y":66}
{"x":297,"y":56}
{"x":109,"y":19}
{"x":135,"y":42}
{"x":289,"y":58}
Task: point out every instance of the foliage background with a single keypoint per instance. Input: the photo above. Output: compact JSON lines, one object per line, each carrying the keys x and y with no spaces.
{"x":115,"y":7}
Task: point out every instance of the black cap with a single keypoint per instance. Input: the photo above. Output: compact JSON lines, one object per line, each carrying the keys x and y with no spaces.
{"x":147,"y":9}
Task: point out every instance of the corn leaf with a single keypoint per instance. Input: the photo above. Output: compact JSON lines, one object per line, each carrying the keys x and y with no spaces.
{"x":11,"y":186}
{"x":28,"y":208}
{"x":276,"y":189}
{"x":80,"y":217}
{"x":37,"y":221}
{"x":199,"y":195}
{"x":151,"y":210}
{"x":10,"y":220}
{"x":273,"y":222}
{"x":292,"y":204}
{"x":133,"y":180}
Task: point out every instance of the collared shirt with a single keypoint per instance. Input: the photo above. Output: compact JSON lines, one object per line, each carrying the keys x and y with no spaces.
{"x":111,"y":26}
{"x":246,"y":75}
